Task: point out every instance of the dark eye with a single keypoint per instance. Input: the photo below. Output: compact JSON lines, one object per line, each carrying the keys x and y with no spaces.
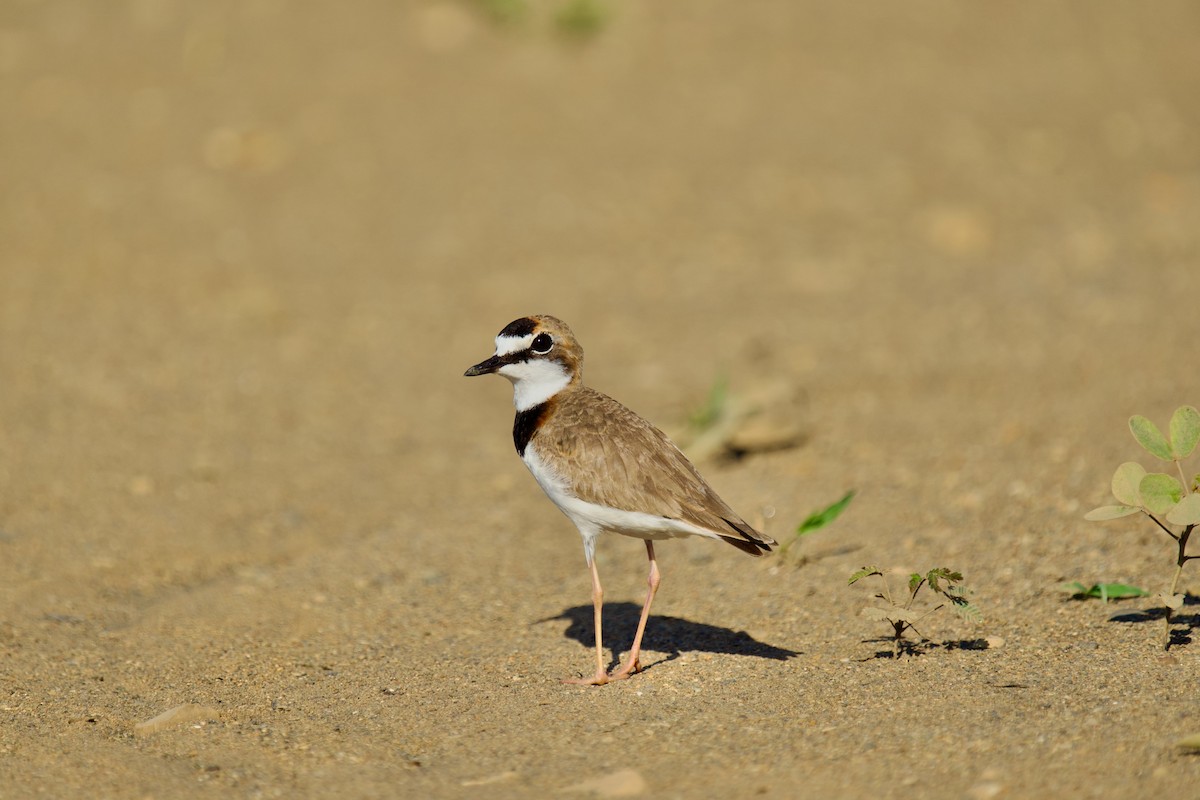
{"x":542,"y":343}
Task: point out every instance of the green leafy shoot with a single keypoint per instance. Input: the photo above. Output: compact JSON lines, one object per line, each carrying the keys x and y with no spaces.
{"x":935,"y":576}
{"x":960,"y":605}
{"x":1172,"y":504}
{"x":582,"y":18}
{"x":577,"y":19}
{"x":865,"y":572}
{"x":1189,"y":744}
{"x":715,"y":407}
{"x":1104,"y":591}
{"x":898,"y":610}
{"x":818,"y":519}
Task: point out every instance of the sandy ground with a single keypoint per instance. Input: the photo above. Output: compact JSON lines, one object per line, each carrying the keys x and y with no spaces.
{"x":248,"y":248}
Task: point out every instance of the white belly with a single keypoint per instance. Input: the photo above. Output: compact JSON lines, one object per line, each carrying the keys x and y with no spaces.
{"x":592,"y":519}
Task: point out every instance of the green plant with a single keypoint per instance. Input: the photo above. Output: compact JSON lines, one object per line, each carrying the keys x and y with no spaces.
{"x":899,"y":612}
{"x":1104,"y":591}
{"x":715,"y":408}
{"x":817,"y":520}
{"x":1173,"y":504}
{"x":1189,"y":744}
{"x":582,"y":18}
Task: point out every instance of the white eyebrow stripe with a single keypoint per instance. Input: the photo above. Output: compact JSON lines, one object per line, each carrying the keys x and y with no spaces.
{"x":512,"y":344}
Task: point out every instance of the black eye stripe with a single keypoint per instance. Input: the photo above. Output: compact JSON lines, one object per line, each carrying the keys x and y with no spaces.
{"x":542,"y":343}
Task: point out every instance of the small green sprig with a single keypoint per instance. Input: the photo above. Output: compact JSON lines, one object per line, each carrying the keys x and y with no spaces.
{"x":899,"y":611}
{"x":817,"y":520}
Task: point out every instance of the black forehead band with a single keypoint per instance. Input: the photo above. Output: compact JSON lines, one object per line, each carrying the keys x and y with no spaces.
{"x":519,"y":328}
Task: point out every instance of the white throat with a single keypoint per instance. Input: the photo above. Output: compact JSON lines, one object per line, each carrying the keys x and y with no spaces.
{"x":536,"y":381}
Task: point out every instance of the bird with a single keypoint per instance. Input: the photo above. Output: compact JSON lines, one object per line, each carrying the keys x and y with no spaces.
{"x":606,"y":468}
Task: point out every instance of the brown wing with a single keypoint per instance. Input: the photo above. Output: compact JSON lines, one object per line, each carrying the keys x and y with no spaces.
{"x":636,"y":467}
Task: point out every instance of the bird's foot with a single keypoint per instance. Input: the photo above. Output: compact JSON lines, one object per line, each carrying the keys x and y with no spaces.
{"x":599,"y":679}
{"x":632,"y":667}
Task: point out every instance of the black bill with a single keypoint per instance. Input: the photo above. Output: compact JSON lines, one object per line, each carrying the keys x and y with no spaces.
{"x":486,"y":367}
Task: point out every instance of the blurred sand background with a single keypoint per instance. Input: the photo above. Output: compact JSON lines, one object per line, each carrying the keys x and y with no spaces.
{"x":248,"y":248}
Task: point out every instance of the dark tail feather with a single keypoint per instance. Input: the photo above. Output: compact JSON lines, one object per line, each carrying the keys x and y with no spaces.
{"x":754,"y":542}
{"x":747,"y":546}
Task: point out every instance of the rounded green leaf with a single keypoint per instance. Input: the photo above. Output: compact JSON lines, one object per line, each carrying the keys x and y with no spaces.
{"x":1185,"y":431}
{"x":1150,"y":437}
{"x":1186,"y":512}
{"x":1160,"y":492}
{"x":1109,"y":512}
{"x":1125,"y":483}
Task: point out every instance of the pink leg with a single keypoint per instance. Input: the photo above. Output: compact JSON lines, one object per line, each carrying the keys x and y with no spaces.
{"x":631,"y":664}
{"x":601,"y":676}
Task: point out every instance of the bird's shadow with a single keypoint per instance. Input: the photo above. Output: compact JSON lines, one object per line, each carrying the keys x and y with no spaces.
{"x":670,"y":635}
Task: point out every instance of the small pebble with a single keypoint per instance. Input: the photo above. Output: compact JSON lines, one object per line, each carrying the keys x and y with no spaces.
{"x":622,"y":783}
{"x":175,"y":717}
